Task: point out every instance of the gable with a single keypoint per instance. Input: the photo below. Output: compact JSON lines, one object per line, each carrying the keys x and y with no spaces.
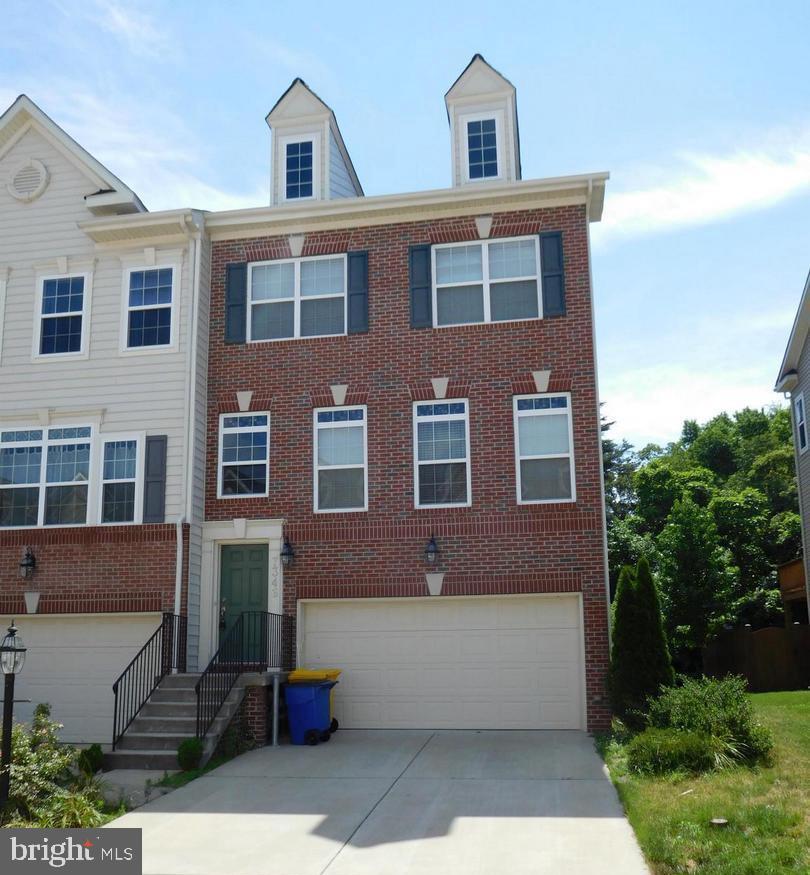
{"x":477,"y":79}
{"x":298,"y":102}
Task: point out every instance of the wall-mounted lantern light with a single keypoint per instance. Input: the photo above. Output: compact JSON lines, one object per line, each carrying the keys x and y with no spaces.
{"x":28,"y":563}
{"x":287,"y":553}
{"x":431,"y":551}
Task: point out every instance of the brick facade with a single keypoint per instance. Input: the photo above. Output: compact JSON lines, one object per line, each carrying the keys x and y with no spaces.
{"x":494,"y":546}
{"x":93,"y":569}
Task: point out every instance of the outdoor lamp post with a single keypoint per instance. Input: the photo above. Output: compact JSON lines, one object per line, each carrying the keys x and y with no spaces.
{"x":12,"y":657}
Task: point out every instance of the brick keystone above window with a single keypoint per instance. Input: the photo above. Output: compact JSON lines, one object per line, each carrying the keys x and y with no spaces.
{"x":423,"y":391}
{"x":226,"y":402}
{"x":321,"y":396}
{"x":560,"y":381}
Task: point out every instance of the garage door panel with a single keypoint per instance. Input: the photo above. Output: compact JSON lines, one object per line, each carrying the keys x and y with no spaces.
{"x":488,"y":663}
{"x":71,"y":664}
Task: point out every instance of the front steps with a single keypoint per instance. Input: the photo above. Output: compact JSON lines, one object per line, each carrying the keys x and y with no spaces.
{"x":167,"y":719}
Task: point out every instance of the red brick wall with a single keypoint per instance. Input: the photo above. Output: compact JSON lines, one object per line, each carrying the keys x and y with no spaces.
{"x":98,"y":569}
{"x":494,"y":546}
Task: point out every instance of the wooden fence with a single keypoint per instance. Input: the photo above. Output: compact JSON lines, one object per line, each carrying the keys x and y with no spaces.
{"x":775,"y":658}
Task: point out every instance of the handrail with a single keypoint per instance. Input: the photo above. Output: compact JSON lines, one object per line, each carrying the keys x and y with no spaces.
{"x":257,"y":641}
{"x":164,"y":652}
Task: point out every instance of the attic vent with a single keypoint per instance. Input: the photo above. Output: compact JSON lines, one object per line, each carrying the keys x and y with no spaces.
{"x":28,"y":181}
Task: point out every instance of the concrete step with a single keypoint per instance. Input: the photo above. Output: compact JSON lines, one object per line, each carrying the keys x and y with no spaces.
{"x":174,"y":694}
{"x":127,"y":758}
{"x":175,"y":681}
{"x":154,"y":741}
{"x":168,"y":709}
{"x":187,"y":725}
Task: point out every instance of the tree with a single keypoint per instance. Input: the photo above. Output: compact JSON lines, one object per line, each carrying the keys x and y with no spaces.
{"x":640,"y":661}
{"x":696,"y":576}
{"x":717,"y":446}
{"x":742,"y":522}
{"x":626,"y":545}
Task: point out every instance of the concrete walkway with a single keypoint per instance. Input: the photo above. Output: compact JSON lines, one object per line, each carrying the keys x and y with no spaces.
{"x":391,"y":803}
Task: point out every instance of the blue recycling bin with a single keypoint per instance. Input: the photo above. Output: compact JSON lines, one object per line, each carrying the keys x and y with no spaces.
{"x":308,"y":711}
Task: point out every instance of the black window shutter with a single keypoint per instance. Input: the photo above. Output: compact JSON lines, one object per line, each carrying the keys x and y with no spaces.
{"x":235,"y":303}
{"x":553,"y":275}
{"x":358,"y":292}
{"x":154,"y":487}
{"x":421,"y":307}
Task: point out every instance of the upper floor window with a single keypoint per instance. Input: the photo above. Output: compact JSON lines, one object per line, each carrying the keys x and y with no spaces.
{"x":150,"y":305}
{"x":243,"y":454}
{"x":544,"y":448}
{"x":492,"y":281}
{"x":340,"y":459}
{"x":299,"y":181}
{"x":62,"y":328}
{"x":298,"y":298}
{"x":442,"y":448}
{"x":482,"y":148}
{"x":46,"y":476}
{"x":801,"y":423}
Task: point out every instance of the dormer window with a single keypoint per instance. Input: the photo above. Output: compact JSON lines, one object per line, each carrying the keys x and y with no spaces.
{"x":299,"y":183}
{"x":482,"y":148}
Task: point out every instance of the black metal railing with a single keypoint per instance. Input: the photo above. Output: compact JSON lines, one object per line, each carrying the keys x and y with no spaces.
{"x":257,"y":641}
{"x":163,"y":653}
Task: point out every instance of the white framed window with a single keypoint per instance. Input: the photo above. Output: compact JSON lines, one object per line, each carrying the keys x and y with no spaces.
{"x":801,"y":422}
{"x":299,"y":158}
{"x":244,"y":455}
{"x":481,"y":145}
{"x":297,"y":297}
{"x":340,"y":459}
{"x":544,"y":448}
{"x":63,"y":316}
{"x":490,"y":281}
{"x":149,"y":314}
{"x":44,"y":476}
{"x":122,"y":459}
{"x":441,"y":440}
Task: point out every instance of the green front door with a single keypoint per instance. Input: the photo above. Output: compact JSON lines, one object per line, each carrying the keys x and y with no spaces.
{"x":242,"y":584}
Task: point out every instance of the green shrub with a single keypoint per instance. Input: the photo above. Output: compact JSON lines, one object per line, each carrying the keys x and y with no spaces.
{"x":44,"y":790}
{"x":719,"y":708}
{"x":189,"y":754}
{"x":671,"y":750}
{"x":640,"y":662}
{"x":91,"y":759}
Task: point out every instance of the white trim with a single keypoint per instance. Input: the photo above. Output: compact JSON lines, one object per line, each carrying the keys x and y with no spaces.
{"x":98,"y":455}
{"x":301,"y":605}
{"x":486,"y":282}
{"x":44,"y":179}
{"x":297,"y":298}
{"x":801,"y":421}
{"x":4,"y":272}
{"x":87,"y":298}
{"x":568,"y":411}
{"x":314,"y":137}
{"x":174,"y":263}
{"x":441,"y":417}
{"x":243,"y":430}
{"x":484,"y":115}
{"x":316,"y":467}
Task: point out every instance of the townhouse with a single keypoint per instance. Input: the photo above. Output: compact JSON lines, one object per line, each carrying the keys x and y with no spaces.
{"x":376,"y":416}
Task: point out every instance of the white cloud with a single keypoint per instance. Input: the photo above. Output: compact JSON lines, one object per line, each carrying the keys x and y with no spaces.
{"x":650,"y":404}
{"x":698,"y":189}
{"x":133,"y":26}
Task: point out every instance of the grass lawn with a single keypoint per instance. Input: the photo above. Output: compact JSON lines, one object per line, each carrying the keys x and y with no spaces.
{"x":768,"y":808}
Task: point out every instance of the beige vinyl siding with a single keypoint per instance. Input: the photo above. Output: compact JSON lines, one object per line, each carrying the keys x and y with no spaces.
{"x":803,"y":459}
{"x":137,"y":392}
{"x":340,"y":183}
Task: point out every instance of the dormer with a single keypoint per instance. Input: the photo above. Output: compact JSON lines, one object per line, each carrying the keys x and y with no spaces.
{"x":482,"y":111}
{"x":310,"y":161}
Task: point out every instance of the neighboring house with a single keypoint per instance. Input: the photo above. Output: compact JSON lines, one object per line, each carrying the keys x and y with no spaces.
{"x":393,"y":372}
{"x":794,"y":382}
{"x":100,"y":336}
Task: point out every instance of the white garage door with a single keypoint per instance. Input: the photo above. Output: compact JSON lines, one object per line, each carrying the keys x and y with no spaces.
{"x":511,"y":662}
{"x":72,"y":662}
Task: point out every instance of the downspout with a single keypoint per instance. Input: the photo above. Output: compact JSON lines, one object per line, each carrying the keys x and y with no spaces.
{"x":598,"y":416}
{"x":178,"y":564}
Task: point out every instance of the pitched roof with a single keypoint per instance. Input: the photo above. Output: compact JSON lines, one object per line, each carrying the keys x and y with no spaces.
{"x":24,"y":113}
{"x":798,"y":336}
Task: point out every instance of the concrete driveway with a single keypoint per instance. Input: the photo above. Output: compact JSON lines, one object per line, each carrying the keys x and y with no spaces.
{"x":390,"y":803}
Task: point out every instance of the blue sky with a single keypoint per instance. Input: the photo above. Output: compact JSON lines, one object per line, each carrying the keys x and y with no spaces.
{"x":700,"y":111}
